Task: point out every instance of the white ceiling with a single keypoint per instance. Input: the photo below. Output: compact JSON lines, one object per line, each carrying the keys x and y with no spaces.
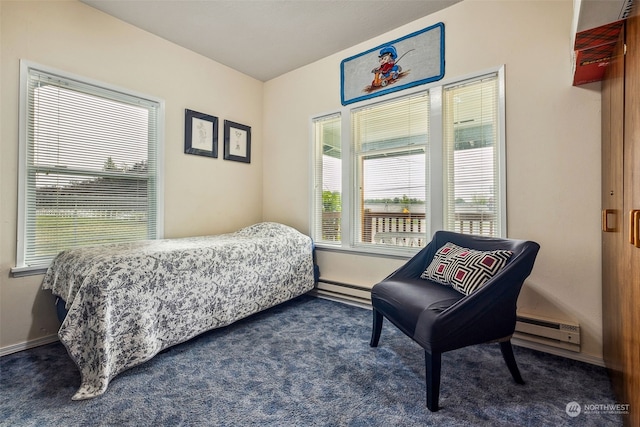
{"x":267,"y":38}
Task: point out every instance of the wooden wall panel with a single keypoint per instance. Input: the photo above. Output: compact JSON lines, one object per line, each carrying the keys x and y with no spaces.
{"x":612,"y":215}
{"x":630,"y":311}
{"x":620,"y":197}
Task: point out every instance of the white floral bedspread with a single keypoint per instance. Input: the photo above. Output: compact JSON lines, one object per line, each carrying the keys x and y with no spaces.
{"x":127,"y":302}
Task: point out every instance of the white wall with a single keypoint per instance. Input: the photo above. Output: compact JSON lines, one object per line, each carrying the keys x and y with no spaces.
{"x":553,"y":149}
{"x":202,"y":195}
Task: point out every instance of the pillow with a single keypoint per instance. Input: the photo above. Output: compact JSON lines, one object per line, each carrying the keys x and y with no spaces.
{"x":466,"y":270}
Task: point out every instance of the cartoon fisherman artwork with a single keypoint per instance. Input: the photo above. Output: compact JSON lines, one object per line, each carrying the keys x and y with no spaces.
{"x":388,"y":70}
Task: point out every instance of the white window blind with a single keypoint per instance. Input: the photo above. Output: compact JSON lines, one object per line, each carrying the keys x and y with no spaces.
{"x":471,"y":157}
{"x":328,"y":179}
{"x":90,"y":167}
{"x":390,"y":141}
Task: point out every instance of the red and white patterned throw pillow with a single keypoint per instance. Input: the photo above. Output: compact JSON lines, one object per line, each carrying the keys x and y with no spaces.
{"x":465,"y":269}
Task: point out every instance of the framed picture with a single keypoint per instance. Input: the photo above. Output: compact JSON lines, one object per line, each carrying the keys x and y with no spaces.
{"x":237,"y":142}
{"x":200,"y":134}
{"x":415,"y":59}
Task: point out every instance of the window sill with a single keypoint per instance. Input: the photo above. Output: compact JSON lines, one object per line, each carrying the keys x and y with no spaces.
{"x":404,"y":253}
{"x":29,"y":271}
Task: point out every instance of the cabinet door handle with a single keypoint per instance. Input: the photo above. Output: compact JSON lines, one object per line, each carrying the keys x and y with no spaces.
{"x":634,"y":227}
{"x":605,"y":220}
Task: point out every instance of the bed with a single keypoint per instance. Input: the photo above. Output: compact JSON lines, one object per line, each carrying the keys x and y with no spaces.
{"x":127,"y":302}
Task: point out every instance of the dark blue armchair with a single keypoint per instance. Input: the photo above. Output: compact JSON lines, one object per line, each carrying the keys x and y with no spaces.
{"x":441,"y":319}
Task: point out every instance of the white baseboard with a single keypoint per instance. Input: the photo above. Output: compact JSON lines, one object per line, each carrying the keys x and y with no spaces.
{"x":28,"y":344}
{"x":580,"y":357}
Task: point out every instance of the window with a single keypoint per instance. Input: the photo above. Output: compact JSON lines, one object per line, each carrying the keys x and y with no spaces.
{"x":390,"y":144}
{"x":430,"y":160}
{"x":89,"y":171}
{"x":471,"y":158}
{"x":328,"y":182}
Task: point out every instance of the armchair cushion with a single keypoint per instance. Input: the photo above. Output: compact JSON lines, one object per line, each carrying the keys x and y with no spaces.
{"x":465,"y":269}
{"x":406,"y":301}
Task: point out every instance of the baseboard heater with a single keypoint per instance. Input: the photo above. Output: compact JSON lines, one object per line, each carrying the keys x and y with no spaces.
{"x":355,"y":293}
{"x":529,"y":327}
{"x":546,"y":331}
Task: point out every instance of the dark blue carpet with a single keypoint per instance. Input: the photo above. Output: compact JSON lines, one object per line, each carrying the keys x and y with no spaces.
{"x":304,"y":363}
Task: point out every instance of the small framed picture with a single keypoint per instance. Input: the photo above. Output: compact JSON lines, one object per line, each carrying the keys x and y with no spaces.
{"x":237,"y":142}
{"x":200,"y":134}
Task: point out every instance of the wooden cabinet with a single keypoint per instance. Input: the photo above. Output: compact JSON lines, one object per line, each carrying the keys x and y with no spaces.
{"x":612,"y":212}
{"x":621,"y":219}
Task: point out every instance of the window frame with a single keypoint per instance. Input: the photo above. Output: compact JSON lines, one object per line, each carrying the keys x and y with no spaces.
{"x":500,"y":144}
{"x":316,"y":195}
{"x":357,"y":160}
{"x":21,"y":268}
{"x":435,"y":157}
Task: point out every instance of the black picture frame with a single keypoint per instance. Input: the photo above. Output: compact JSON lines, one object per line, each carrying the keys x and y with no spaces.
{"x":237,"y":142}
{"x":200,"y":134}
